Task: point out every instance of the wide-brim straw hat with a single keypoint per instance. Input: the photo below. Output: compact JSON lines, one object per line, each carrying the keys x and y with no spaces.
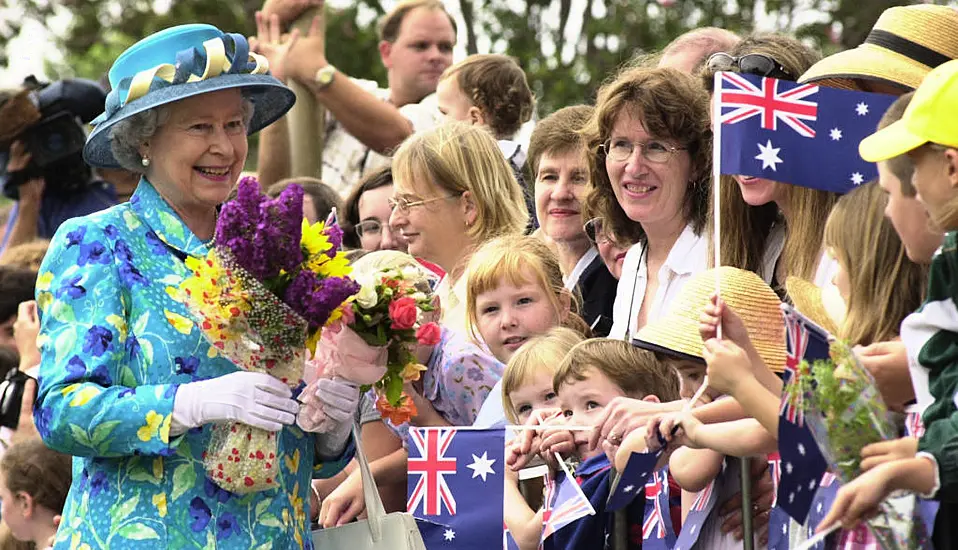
{"x":677,"y":332}
{"x":904,"y":45}
{"x":182,"y":62}
{"x":809,"y":300}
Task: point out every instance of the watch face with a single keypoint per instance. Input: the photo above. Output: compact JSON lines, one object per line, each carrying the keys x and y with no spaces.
{"x":326,"y":75}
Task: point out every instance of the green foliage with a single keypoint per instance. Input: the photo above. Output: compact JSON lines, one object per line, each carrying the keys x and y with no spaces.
{"x":562,"y":70}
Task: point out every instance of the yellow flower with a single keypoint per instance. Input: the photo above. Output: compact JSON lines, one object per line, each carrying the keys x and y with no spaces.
{"x":292,"y":464}
{"x":44,"y":280}
{"x":44,"y":299}
{"x":410,"y":373}
{"x":149,"y":430}
{"x":119,"y":323}
{"x":314,"y":240}
{"x":84,"y":395}
{"x":165,"y":429}
{"x":180,"y":323}
{"x":159,"y":502}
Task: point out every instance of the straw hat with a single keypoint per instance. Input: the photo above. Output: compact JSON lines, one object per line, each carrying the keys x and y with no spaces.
{"x":677,"y":332}
{"x":809,"y":300}
{"x":904,"y":45}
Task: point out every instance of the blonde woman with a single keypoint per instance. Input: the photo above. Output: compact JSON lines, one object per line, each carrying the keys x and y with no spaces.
{"x":769,"y":227}
{"x":453,"y":191}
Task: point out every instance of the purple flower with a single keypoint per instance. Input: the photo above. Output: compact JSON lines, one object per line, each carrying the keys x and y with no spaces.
{"x":93,"y":253}
{"x":101,"y":375}
{"x":186,"y":365}
{"x":474,"y":373}
{"x":132,"y":346}
{"x":76,"y":369}
{"x":238,"y":219}
{"x":200,"y":513}
{"x":226,"y":526}
{"x":75,"y":237}
{"x":42,"y":418}
{"x":97,"y":340}
{"x":71,"y":288}
{"x":216,"y":492}
{"x":315,"y":299}
{"x":97,"y":483}
{"x":335,"y":235}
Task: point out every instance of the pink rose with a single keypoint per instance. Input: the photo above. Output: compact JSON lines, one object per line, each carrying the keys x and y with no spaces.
{"x":403,"y":313}
{"x":428,"y":334}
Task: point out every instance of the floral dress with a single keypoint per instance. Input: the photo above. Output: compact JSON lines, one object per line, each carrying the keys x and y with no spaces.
{"x":115,"y":346}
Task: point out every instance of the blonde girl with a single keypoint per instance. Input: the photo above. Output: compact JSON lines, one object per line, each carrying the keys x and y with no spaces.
{"x":34,"y":482}
{"x":515,"y":291}
{"x":769,"y":227}
{"x":453,"y":191}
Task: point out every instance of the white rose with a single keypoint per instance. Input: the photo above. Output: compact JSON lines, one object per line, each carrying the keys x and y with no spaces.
{"x":367,"y":297}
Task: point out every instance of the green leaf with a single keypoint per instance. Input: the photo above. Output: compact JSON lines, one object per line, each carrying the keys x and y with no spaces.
{"x":210,"y":540}
{"x":143,"y":474}
{"x":81,"y":436}
{"x":139,"y":327}
{"x":394,"y":389}
{"x":184,"y":477}
{"x":137,"y":531}
{"x":132,"y":222}
{"x":270,"y":520}
{"x":264,"y":546}
{"x":62,"y":311}
{"x":127,"y":378}
{"x":64,"y":343}
{"x":262,"y":506}
{"x":171,"y":225}
{"x":147,"y":348}
{"x":121,"y":511}
{"x":101,"y":432}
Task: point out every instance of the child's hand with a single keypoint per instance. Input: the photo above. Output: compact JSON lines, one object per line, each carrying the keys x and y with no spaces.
{"x":679,"y":429}
{"x":887,"y":451}
{"x":728,"y":365}
{"x":859,"y":499}
{"x":557,"y":440}
{"x":526,"y":444}
{"x":715,"y":313}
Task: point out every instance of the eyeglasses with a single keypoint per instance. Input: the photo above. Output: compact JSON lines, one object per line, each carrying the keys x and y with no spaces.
{"x":369,"y":229}
{"x":621,"y":150}
{"x":596,"y":233}
{"x":405,"y":204}
{"x":752,"y":63}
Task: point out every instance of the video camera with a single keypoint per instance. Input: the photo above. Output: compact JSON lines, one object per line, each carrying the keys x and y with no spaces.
{"x":48,"y":119}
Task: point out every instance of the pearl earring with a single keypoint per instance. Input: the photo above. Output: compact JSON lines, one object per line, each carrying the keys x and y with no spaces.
{"x":145,"y":162}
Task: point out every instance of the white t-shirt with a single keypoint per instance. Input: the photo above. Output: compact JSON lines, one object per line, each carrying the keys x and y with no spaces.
{"x":346,"y":159}
{"x":689,"y":255}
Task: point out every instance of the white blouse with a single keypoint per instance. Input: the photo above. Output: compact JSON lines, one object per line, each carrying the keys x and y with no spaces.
{"x":689,"y":255}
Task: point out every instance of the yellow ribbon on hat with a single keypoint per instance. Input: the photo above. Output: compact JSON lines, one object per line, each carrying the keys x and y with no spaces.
{"x":216,"y":64}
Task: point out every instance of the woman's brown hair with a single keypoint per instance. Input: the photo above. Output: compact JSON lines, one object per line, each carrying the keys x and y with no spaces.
{"x":31,"y":467}
{"x":746,"y":228}
{"x":672,"y":106}
{"x":884,"y":285}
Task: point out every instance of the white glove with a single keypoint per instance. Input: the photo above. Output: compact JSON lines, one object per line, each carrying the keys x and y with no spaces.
{"x":253,"y":398}
{"x":328,"y":404}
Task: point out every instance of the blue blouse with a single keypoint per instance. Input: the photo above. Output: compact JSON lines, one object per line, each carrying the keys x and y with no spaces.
{"x":115,"y":346}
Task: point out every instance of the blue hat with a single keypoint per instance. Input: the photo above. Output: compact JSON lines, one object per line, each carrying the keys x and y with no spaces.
{"x":182,"y":62}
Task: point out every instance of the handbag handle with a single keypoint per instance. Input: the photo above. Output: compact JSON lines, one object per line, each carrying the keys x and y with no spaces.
{"x":375,"y":511}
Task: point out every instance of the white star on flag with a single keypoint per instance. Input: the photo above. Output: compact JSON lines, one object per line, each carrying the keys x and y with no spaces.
{"x":836,"y":134}
{"x":788,"y":467}
{"x":857,"y":178}
{"x":819,"y":508}
{"x":811,"y":485}
{"x":768,"y":155}
{"x":791,"y":498}
{"x":861,"y":109}
{"x":628,"y":488}
{"x":482,"y":466}
{"x":449,"y":534}
{"x":801,"y":449}
{"x":784,"y":528}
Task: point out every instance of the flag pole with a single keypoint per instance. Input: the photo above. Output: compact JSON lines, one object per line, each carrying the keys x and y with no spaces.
{"x":748,"y":539}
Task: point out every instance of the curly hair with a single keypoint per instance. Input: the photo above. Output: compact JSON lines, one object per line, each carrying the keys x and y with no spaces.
{"x":497,"y":85}
{"x":672,"y":106}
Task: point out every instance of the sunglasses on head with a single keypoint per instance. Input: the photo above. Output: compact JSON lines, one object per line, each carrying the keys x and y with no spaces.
{"x":758,"y":64}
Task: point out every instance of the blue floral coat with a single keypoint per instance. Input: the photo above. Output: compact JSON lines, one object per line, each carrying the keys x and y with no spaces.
{"x":114,"y":348}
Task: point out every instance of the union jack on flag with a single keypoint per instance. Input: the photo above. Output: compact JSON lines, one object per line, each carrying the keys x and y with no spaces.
{"x":703,"y":497}
{"x":775,"y":469}
{"x":800,"y":134}
{"x":797,"y":340}
{"x":770,"y":101}
{"x":431,"y":490}
{"x":655,"y":519}
{"x":568,"y":504}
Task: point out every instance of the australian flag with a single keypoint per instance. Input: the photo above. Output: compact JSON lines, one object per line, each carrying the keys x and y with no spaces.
{"x":705,"y":500}
{"x":801,"y":134}
{"x":657,"y":530}
{"x":456,"y":486}
{"x":802,"y":464}
{"x":633,"y":478}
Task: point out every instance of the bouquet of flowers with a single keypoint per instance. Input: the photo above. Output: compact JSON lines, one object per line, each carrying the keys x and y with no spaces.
{"x":375,"y":343}
{"x":845,"y":412}
{"x":261,"y":296}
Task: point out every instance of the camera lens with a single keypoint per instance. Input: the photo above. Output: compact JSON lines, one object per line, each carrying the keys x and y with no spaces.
{"x":55,"y":143}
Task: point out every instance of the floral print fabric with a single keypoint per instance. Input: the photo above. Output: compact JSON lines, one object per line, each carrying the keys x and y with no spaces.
{"x":115,"y":346}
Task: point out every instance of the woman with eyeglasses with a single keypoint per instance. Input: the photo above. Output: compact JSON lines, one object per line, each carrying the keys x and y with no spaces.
{"x":768,"y":227}
{"x":367,"y":214}
{"x":650,"y":185}
{"x":557,"y":157}
{"x":453,"y":190}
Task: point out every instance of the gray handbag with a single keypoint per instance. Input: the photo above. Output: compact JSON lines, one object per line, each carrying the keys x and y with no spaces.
{"x":380,"y":531}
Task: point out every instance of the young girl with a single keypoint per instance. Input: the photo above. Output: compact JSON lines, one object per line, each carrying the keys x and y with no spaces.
{"x":594,"y":373}
{"x":34,"y":482}
{"x":514,"y":291}
{"x":527,"y":397}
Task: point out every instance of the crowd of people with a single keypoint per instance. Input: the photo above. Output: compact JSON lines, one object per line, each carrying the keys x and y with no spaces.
{"x":572,"y":276}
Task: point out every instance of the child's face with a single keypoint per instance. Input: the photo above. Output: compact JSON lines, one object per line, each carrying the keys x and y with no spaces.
{"x":582,"y":401}
{"x":453,"y":102}
{"x":931,"y":178}
{"x":535,"y":395}
{"x":840,"y":278}
{"x":691,"y":375}
{"x":11,"y":510}
{"x":509,"y":315}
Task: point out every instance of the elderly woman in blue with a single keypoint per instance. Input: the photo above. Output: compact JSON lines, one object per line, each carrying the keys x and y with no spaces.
{"x":127,"y":384}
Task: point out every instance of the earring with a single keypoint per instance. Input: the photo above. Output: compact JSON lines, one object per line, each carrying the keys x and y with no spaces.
{"x":145,"y":162}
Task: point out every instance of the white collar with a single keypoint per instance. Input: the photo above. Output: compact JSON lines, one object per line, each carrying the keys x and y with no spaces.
{"x":573,"y":279}
{"x":681,"y":259}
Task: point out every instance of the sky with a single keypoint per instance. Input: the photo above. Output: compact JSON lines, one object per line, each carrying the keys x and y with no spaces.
{"x":28,"y":51}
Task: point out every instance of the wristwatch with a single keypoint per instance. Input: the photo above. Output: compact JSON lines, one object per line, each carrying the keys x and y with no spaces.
{"x":324,"y":77}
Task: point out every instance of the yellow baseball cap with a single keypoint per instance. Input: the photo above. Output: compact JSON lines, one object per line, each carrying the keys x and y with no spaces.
{"x":931,"y":117}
